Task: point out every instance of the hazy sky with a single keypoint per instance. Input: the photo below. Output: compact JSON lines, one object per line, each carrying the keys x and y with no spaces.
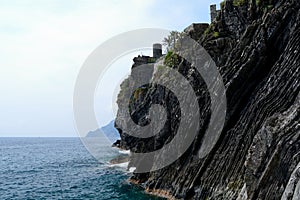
{"x":45,"y":42}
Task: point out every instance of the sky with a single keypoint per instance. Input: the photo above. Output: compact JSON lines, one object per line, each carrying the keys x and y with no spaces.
{"x":45,"y":42}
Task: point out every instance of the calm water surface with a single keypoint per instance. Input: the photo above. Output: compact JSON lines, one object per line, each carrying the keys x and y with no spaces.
{"x":61,"y":168}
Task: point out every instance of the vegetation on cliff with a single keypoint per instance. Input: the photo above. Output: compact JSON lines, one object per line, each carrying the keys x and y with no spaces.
{"x":255,"y":45}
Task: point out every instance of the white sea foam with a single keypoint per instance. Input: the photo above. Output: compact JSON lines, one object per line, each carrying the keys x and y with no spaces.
{"x":120,"y":165}
{"x":131,"y":169}
{"x":127,"y":152}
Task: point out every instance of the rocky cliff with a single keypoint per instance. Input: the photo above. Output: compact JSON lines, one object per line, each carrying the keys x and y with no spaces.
{"x":256,"y":47}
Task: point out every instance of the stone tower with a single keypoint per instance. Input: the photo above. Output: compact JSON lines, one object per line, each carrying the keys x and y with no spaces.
{"x":213,"y":12}
{"x":157,"y":50}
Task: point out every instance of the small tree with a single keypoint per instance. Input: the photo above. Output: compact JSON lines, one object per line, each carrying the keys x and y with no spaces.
{"x":171,"y":41}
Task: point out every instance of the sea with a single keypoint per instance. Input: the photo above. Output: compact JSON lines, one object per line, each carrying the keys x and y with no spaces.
{"x":62,"y":168}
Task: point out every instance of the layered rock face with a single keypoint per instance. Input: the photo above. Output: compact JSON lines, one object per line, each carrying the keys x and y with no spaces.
{"x":256,"y":46}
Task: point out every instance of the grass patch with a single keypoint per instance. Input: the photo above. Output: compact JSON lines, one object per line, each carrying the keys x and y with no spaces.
{"x":139,"y":92}
{"x":171,"y":59}
{"x":238,"y":3}
{"x":216,"y":34}
{"x":151,"y":60}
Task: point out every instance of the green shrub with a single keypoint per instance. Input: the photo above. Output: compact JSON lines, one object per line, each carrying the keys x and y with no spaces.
{"x":139,"y":92}
{"x":222,"y":4}
{"x":239,"y":2}
{"x":206,"y":31}
{"x":151,"y":60}
{"x":216,"y":34}
{"x":171,"y":59}
{"x":209,"y":29}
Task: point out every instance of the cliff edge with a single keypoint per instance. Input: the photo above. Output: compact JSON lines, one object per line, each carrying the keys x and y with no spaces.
{"x":256,"y":47}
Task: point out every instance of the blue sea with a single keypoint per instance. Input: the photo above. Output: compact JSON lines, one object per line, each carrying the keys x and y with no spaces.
{"x":61,"y":168}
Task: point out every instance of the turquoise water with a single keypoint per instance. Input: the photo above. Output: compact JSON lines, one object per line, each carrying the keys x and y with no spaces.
{"x":60,"y":168}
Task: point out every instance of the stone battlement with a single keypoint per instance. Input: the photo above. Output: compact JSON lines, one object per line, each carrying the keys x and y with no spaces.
{"x":141,"y":60}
